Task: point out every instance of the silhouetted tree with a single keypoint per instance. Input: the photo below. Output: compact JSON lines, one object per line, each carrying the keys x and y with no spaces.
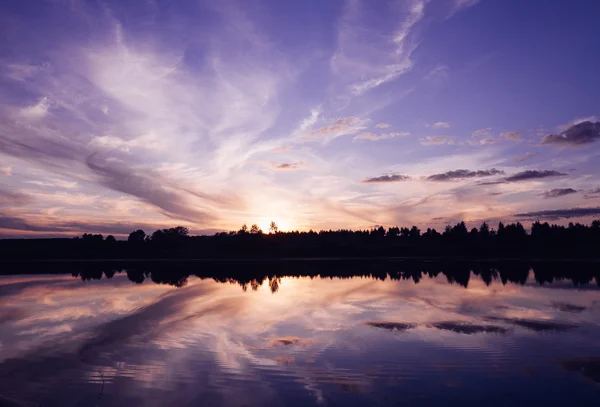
{"x":484,"y":230}
{"x":137,"y":236}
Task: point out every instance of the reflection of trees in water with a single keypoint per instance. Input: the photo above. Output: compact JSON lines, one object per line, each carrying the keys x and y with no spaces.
{"x":255,"y":274}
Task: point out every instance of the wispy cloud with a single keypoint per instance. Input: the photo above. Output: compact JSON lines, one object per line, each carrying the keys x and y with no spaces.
{"x":525,"y":157}
{"x":510,"y":135}
{"x":384,"y":136}
{"x":458,"y":5}
{"x":382,"y":126}
{"x":149,"y":141}
{"x":173,"y":201}
{"x":339,"y":127}
{"x":441,"y":125}
{"x":436,"y":140}
{"x":482,"y":137}
{"x":36,"y":111}
{"x":54,"y":183}
{"x":556,"y":214}
{"x":363,"y":59}
{"x":10,"y":198}
{"x":282,"y":150}
{"x":592,"y":193}
{"x":385,"y":179}
{"x":61,"y":226}
{"x":7,"y":171}
{"x":558,"y":192}
{"x":482,"y":132}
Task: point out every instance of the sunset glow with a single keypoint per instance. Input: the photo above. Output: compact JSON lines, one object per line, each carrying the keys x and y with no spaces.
{"x":118,"y":116}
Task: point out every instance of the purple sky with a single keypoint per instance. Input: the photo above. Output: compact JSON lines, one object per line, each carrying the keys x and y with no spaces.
{"x":315,"y":114}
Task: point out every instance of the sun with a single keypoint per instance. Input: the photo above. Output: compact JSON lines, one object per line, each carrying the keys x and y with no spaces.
{"x":282,"y":224}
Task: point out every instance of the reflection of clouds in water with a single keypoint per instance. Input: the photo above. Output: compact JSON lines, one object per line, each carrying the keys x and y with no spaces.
{"x":155,"y":336}
{"x":536,"y":325}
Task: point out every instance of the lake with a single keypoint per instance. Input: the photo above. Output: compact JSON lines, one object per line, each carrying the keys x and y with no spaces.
{"x":399,"y":336}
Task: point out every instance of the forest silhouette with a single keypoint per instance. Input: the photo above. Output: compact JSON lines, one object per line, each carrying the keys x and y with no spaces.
{"x":546,"y":241}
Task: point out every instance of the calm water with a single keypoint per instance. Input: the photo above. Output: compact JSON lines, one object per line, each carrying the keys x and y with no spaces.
{"x":298,"y":341}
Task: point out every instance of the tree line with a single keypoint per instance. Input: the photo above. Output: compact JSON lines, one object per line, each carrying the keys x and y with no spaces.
{"x":506,"y":240}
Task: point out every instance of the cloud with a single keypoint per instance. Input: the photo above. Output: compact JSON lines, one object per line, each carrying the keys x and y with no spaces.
{"x":533,"y":174}
{"x":20,"y":223}
{"x":365,"y":58}
{"x":21,"y":72}
{"x":577,"y":135}
{"x":592,"y":193}
{"x":438,"y":74}
{"x":385,"y":179}
{"x":281,"y":150}
{"x":525,"y":176}
{"x":339,"y":127}
{"x":436,"y":140}
{"x":288,"y":166}
{"x":525,"y":157}
{"x":510,"y":135}
{"x":482,"y":141}
{"x":54,"y":183}
{"x":384,"y":136}
{"x":6,"y":171}
{"x":555,"y":193}
{"x":175,"y":202}
{"x":13,"y":198}
{"x":560,"y":213}
{"x":482,"y":132}
{"x":479,"y":137}
{"x":458,"y":175}
{"x":441,"y":125}
{"x":382,"y":126}
{"x":367,"y":136}
{"x":391,"y":326}
{"x":64,"y":155}
{"x":150,"y":141}
{"x":458,"y":5}
{"x":37,"y":111}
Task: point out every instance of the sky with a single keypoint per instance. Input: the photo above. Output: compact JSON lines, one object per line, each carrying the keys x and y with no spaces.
{"x":314,"y":114}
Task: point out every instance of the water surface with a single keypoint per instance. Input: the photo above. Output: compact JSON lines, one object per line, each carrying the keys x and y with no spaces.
{"x":298,"y":341}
